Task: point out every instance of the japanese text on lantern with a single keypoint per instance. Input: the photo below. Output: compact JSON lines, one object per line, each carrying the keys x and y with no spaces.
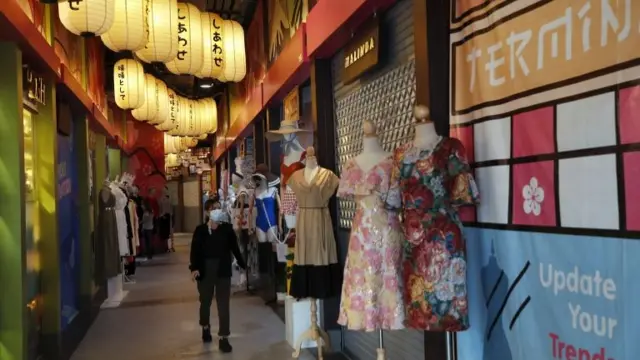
{"x":559,"y":41}
{"x":182,"y":36}
{"x":147,"y":13}
{"x":216,"y":42}
{"x":121,"y":82}
{"x":74,"y":4}
{"x":172,"y":105}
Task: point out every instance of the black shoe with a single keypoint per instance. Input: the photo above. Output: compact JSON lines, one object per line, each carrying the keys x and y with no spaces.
{"x":206,"y":334}
{"x":224,"y":345}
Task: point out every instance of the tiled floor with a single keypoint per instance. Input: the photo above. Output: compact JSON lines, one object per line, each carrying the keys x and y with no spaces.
{"x":158,"y":320}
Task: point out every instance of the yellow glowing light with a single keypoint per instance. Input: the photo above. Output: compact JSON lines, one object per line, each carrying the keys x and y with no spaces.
{"x":130,"y":29}
{"x":129,"y":84}
{"x":88,"y":17}
{"x":189,"y":56}
{"x":163,"y":31}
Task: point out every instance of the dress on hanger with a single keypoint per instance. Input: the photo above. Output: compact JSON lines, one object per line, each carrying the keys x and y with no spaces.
{"x":121,"y":220}
{"x":289,"y":201}
{"x":266,"y":204}
{"x":433,"y":184}
{"x":106,"y":235}
{"x":316,"y":272}
{"x":372,"y":288}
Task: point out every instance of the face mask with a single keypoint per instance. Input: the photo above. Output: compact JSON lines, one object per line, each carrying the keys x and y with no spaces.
{"x":218,"y":216}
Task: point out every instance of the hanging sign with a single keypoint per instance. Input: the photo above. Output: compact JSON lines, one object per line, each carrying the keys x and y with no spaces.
{"x":362,"y":53}
{"x":34,"y":88}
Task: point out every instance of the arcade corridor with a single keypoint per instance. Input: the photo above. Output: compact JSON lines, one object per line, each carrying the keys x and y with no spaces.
{"x":158,"y":320}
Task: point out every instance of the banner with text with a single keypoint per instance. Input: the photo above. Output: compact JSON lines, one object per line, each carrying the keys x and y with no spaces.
{"x":545,"y":98}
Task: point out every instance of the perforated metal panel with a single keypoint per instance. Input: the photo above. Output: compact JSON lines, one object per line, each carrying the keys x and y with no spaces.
{"x":385,"y":96}
{"x":388,"y":102}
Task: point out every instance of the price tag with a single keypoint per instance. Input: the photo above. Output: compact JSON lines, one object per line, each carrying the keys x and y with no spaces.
{"x":281,"y":249}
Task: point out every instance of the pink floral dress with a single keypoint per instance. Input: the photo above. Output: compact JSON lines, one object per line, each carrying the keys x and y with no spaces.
{"x":372,"y":287}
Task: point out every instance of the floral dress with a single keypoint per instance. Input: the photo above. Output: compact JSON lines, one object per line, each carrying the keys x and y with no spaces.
{"x":372,"y":288}
{"x":433,"y":184}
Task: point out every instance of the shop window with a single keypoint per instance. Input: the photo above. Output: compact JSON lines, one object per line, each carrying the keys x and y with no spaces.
{"x":32,"y":238}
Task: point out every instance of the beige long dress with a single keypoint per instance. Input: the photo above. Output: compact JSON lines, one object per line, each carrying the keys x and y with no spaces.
{"x":316,"y":272}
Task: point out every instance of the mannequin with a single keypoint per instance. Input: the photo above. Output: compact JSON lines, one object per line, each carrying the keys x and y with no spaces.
{"x":437,"y":167}
{"x":316,"y":273}
{"x":376,"y":238}
{"x":108,"y":242}
{"x":425,"y":136}
{"x":372,"y":151}
{"x":266,"y":201}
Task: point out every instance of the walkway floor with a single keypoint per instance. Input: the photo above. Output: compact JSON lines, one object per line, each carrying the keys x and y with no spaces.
{"x":158,"y":320}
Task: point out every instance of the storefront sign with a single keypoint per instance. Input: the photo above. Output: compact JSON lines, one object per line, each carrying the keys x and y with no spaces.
{"x":34,"y":88}
{"x":550,"y":91}
{"x":363,"y":52}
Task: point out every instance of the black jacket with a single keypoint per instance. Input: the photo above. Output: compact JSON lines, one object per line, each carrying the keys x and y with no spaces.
{"x":228,"y":247}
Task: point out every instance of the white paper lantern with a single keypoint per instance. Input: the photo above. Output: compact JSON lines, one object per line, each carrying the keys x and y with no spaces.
{"x":189,"y":56}
{"x":129,"y":84}
{"x":201,"y":123}
{"x":162,"y":99}
{"x":234,"y":66}
{"x":213,"y":50}
{"x":180,"y":127}
{"x":162,"y":17}
{"x":172,"y":144}
{"x":210,"y":112}
{"x":130,"y":29}
{"x":171,"y":121}
{"x":149,"y":110}
{"x":192,"y":118}
{"x":203,"y":137}
{"x":189,"y":142}
{"x":87,"y":17}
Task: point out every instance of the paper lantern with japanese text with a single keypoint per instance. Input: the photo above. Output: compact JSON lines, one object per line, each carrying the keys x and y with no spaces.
{"x":129,"y":84}
{"x":212,"y":46}
{"x":189,"y":56}
{"x":173,"y":112}
{"x":182,"y":122}
{"x":234,"y":67}
{"x":162,"y":99}
{"x":86,"y":17}
{"x":149,"y":110}
{"x":162,"y":18}
{"x":130,"y":29}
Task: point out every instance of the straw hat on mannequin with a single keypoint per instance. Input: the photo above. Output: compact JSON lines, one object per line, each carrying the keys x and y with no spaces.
{"x":287,"y":127}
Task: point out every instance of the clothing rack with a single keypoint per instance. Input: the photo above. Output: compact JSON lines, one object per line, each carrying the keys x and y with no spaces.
{"x":452,"y":346}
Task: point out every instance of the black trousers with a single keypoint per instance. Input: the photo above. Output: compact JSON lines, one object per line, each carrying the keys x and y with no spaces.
{"x":208,"y":286}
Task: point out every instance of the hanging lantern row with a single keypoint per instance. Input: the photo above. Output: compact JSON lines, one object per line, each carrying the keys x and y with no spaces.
{"x":188,"y":41}
{"x":175,"y":144}
{"x":151,"y":101}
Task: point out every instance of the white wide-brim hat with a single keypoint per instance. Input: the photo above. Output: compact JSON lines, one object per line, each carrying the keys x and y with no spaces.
{"x":286,"y":127}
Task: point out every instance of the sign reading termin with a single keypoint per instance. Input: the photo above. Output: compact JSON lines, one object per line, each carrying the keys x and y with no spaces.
{"x":363,"y":52}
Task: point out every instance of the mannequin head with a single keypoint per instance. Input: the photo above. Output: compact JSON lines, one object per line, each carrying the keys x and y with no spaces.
{"x":369,"y":129}
{"x":421,"y":113}
{"x":312,"y":161}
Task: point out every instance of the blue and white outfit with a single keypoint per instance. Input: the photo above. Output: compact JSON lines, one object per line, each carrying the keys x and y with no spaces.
{"x":266,"y":220}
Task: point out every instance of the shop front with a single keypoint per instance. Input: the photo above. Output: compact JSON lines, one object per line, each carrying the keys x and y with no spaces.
{"x":548,"y":107}
{"x":374,"y":80}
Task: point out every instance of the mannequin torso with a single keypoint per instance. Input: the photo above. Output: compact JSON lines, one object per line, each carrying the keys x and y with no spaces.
{"x":311,"y":169}
{"x":426,"y":137}
{"x":372,"y":154}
